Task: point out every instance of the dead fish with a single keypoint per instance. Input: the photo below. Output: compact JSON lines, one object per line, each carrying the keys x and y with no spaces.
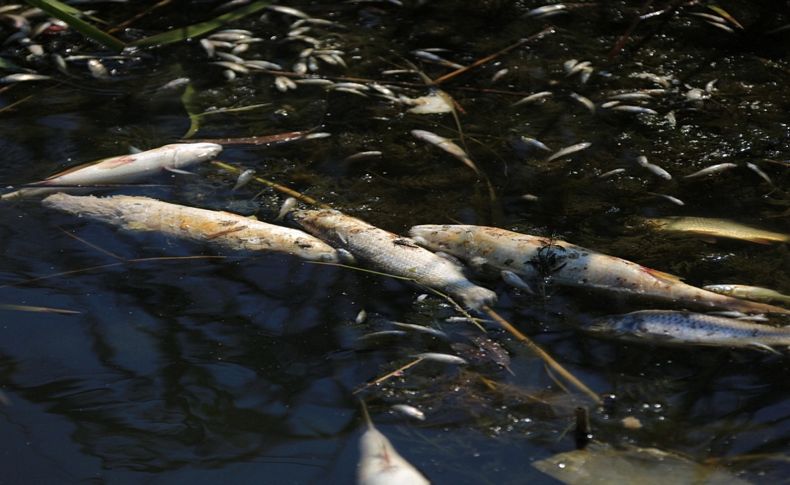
{"x":719,"y":167}
{"x":499,"y":75}
{"x":380,"y":463}
{"x":283,"y":83}
{"x":421,"y":328}
{"x":445,"y":145}
{"x":434,"y":103}
{"x":409,"y":411}
{"x":225,"y":56}
{"x":288,"y":11}
{"x":515,"y":281}
{"x":654,"y":169}
{"x":674,"y":200}
{"x":546,"y":11}
{"x":244,"y":179}
{"x":357,"y":92}
{"x":314,"y":81}
{"x":716,"y":228}
{"x":569,"y":150}
{"x":754,"y":168}
{"x":23,"y":77}
{"x":575,"y":68}
{"x":392,"y":254}
{"x":533,"y":98}
{"x":443,"y":358}
{"x":634,"y":109}
{"x":688,"y":328}
{"x":97,"y":69}
{"x":611,"y":173}
{"x":534,"y":258}
{"x":317,"y":135}
{"x":361,"y":317}
{"x":431,"y":57}
{"x":289,"y":205}
{"x":223,"y":229}
{"x":362,"y":155}
{"x":124,"y":168}
{"x":535,"y":143}
{"x":754,"y":293}
{"x":632,"y":96}
{"x":583,"y":101}
{"x":261,"y":64}
{"x":232,"y":66}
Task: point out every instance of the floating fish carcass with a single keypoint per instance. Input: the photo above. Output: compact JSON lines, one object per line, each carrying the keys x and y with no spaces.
{"x":223,"y":229}
{"x":392,"y":254}
{"x":381,"y":464}
{"x":123,"y":169}
{"x":754,"y":293}
{"x":570,"y":265}
{"x":688,"y":328}
{"x":716,"y":228}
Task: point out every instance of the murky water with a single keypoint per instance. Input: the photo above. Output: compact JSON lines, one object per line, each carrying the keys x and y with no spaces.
{"x":244,"y":369}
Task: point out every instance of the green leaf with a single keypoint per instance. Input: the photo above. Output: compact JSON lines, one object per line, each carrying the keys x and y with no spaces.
{"x":190,"y":105}
{"x":195,"y":30}
{"x":71,"y":16}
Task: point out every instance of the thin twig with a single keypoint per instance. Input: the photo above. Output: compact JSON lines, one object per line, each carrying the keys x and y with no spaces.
{"x":388,"y":375}
{"x":91,"y":245}
{"x":489,"y":58}
{"x":548,"y":359}
{"x":137,"y":17}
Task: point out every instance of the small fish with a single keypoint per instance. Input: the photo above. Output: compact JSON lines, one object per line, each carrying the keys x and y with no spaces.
{"x":654,"y":169}
{"x":230,"y":58}
{"x":718,"y":168}
{"x":261,"y":64}
{"x":634,"y":109}
{"x":445,"y":145}
{"x":97,"y":69}
{"x":568,"y":150}
{"x":717,"y":228}
{"x":380,"y":463}
{"x":283,"y":83}
{"x":224,"y":229}
{"x":317,"y":135}
{"x":431,"y":57}
{"x":499,"y":75}
{"x":363,"y":155}
{"x":609,"y":104}
{"x":314,"y":81}
{"x":533,"y":98}
{"x":578,"y":67}
{"x":674,"y":200}
{"x":535,"y":143}
{"x":754,"y":168}
{"x":584,"y":101}
{"x":443,"y":358}
{"x":421,"y":328}
{"x":289,"y":205}
{"x":546,"y":11}
{"x":392,"y":254}
{"x":288,"y":11}
{"x":611,"y":173}
{"x":688,"y":328}
{"x":361,"y":317}
{"x":357,"y":92}
{"x":23,"y":77}
{"x":754,"y":293}
{"x":244,"y":178}
{"x":409,"y":411}
{"x":123,"y":169}
{"x":632,"y":96}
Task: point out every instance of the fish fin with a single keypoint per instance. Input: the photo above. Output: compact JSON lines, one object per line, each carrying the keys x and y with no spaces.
{"x":661,"y":275}
{"x":450,"y":258}
{"x":515,"y":281}
{"x":179,"y":171}
{"x":133,"y":150}
{"x":760,"y":240}
{"x":761,"y":346}
{"x":346,"y":257}
{"x":478,"y":262}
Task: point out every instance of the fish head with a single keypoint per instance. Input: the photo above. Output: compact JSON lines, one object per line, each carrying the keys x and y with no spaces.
{"x":186,"y":154}
{"x":312,"y":220}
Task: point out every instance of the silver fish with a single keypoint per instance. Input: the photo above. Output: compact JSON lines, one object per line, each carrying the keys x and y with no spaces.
{"x":443,"y":358}
{"x":534,"y":97}
{"x":409,"y":411}
{"x":754,"y":293}
{"x":674,"y":200}
{"x":688,"y":328}
{"x":719,"y":167}
{"x":546,"y":11}
{"x":634,"y":109}
{"x":229,"y":231}
{"x":568,"y":150}
{"x":381,"y":464}
{"x":244,"y":178}
{"x":584,"y":101}
{"x":363,"y":155}
{"x":445,"y":145}
{"x":124,"y":168}
{"x":22,"y":77}
{"x":535,"y":257}
{"x":289,"y":205}
{"x":655,"y":169}
{"x":611,"y":173}
{"x":421,"y":328}
{"x":393,"y":254}
{"x":361,"y":317}
{"x":261,"y":64}
{"x":754,"y":168}
{"x":97,"y":69}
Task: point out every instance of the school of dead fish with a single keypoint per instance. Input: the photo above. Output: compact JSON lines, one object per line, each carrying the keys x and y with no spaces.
{"x":522,"y":260}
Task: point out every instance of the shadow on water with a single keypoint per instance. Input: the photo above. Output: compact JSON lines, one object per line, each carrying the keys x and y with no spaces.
{"x":244,"y":368}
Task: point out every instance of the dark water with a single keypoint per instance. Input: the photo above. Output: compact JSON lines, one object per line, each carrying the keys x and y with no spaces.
{"x":243,"y":369}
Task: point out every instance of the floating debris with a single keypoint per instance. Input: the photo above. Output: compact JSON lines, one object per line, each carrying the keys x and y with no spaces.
{"x":244,"y":178}
{"x":409,"y":411}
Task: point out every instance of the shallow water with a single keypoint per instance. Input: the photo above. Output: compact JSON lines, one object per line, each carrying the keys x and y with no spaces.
{"x":244,"y":368}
